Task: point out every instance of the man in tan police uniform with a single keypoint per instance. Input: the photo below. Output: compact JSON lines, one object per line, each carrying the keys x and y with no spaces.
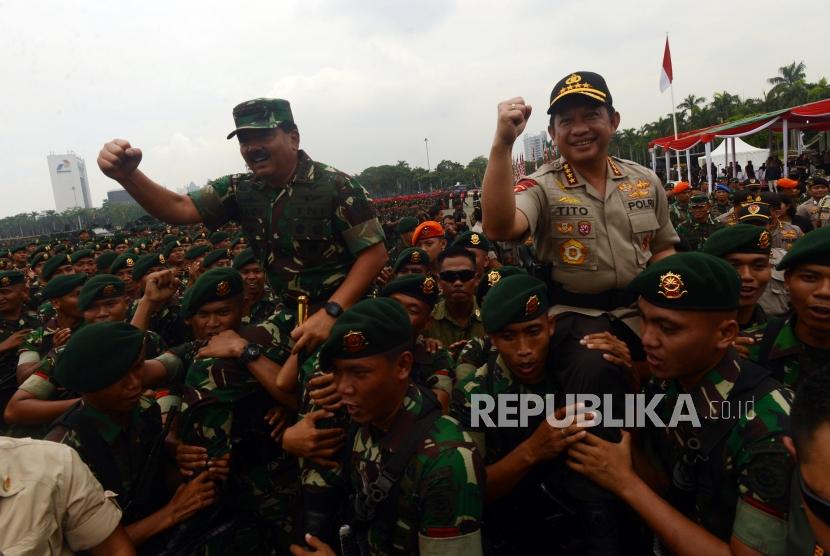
{"x":598,"y":220}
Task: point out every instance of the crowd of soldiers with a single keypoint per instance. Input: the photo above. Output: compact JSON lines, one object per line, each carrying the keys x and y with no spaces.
{"x":287,"y":367}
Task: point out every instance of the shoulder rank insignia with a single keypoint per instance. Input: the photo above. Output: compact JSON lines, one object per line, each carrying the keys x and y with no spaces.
{"x":671,"y":286}
{"x":354,"y":341}
{"x":569,"y":174}
{"x":614,"y":169}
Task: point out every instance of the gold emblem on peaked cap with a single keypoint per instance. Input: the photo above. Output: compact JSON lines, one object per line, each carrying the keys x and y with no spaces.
{"x":671,"y":286}
{"x":5,"y":281}
{"x":574,"y":78}
{"x":129,"y":262}
{"x":109,"y":290}
{"x":475,"y":239}
{"x":415,"y":257}
{"x":763,"y":240}
{"x":753,"y":209}
{"x":223,"y":288}
{"x":428,"y":286}
{"x":532,"y":305}
{"x":354,"y":341}
{"x":493,"y":278}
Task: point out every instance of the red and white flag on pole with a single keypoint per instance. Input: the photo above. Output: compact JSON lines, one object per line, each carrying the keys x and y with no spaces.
{"x":665,"y":71}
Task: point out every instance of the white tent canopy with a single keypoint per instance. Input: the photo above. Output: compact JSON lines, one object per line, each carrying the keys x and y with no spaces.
{"x":743,"y":153}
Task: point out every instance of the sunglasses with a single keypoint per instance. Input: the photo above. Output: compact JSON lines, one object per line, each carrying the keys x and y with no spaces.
{"x":818,"y":505}
{"x":453,"y":275}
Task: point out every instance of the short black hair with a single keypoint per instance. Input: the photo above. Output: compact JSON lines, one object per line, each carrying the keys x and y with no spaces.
{"x":456,"y":251}
{"x":810,"y":409}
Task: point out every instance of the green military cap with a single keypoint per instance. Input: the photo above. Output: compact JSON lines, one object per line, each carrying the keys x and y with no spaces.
{"x":419,"y":286}
{"x":239,"y":239}
{"x":580,"y":84}
{"x":100,"y":286}
{"x":11,"y":277}
{"x":169,"y":246}
{"x":411,"y":255}
{"x":122,"y":261}
{"x":16,"y":248}
{"x":406,"y":224}
{"x":217,"y":237}
{"x":62,"y":285}
{"x":145,"y":263}
{"x":513,"y":299}
{"x":214,"y":257}
{"x":472,"y":240}
{"x":217,"y":284}
{"x":754,"y":213}
{"x":740,"y":238}
{"x":53,"y":264}
{"x":812,"y":248}
{"x":82,"y":254}
{"x":105,"y":260}
{"x":115,"y":345}
{"x":698,"y":200}
{"x":38,"y":258}
{"x":492,"y":277}
{"x":196,"y":251}
{"x":370,"y":327}
{"x":261,"y":113}
{"x":689,"y":282}
{"x":247,"y":256}
{"x":168,"y":238}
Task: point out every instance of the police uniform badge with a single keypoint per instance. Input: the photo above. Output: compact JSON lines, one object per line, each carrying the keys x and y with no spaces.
{"x":763,"y":240}
{"x":584,"y":227}
{"x":223,"y":288}
{"x":532,"y":305}
{"x":354,"y":341}
{"x":564,"y":227}
{"x":671,"y":286}
{"x":429,"y":285}
{"x":475,"y":239}
{"x":572,"y":252}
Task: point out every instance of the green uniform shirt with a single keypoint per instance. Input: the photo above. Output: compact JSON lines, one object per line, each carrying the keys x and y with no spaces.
{"x":8,"y":359}
{"x":696,"y":233}
{"x":449,"y":331}
{"x":789,"y":359}
{"x":307,"y":234}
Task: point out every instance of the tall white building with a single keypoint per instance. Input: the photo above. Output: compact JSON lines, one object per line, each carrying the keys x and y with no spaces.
{"x":534,"y":146}
{"x":70,"y":185}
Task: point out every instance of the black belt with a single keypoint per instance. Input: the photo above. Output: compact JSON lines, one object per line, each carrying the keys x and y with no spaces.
{"x":602,"y":301}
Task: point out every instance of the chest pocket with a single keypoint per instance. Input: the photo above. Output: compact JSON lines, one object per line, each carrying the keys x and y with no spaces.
{"x":254,"y":205}
{"x":644,"y":226}
{"x":309,"y":214}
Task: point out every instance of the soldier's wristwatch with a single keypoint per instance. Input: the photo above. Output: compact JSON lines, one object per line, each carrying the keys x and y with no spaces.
{"x":251,"y":353}
{"x":333,"y":309}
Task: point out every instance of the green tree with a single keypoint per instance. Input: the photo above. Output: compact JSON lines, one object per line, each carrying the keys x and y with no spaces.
{"x":789,"y":87}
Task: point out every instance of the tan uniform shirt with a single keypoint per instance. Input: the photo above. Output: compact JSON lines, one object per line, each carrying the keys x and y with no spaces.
{"x":50,"y":503}
{"x":596,"y":243}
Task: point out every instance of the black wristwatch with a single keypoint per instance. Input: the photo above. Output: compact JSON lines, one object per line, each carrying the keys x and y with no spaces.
{"x":332,"y":308}
{"x":251,"y":353}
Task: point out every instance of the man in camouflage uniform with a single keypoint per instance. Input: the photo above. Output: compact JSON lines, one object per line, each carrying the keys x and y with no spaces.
{"x":679,"y":208}
{"x":165,"y":319}
{"x":433,"y":504}
{"x":260,"y":302}
{"x":697,"y":229}
{"x":797,"y":346}
{"x":59,"y":264}
{"x":728,"y":469}
{"x":312,"y":227}
{"x":721,"y":204}
{"x":15,"y":324}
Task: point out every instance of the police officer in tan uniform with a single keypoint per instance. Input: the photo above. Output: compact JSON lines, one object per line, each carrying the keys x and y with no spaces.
{"x":598,"y":220}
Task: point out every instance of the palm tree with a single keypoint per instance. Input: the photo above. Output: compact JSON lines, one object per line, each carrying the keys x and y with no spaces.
{"x":690,"y":104}
{"x":789,"y":87}
{"x":723,"y":105}
{"x":818,"y":91}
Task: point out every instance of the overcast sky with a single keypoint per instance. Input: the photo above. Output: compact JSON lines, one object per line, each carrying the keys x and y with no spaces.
{"x":368,"y":80}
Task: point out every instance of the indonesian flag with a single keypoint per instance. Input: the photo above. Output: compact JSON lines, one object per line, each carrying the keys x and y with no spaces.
{"x":665,"y":71}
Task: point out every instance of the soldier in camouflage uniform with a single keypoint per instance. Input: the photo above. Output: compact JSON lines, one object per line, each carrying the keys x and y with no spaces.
{"x":166,"y":319}
{"x":118,"y":433}
{"x":697,"y":229}
{"x":796,"y":346}
{"x":730,"y":486}
{"x":679,"y":208}
{"x":312,"y":227}
{"x":720,"y":204}
{"x":260,"y":302}
{"x":58,"y":265}
{"x":435,"y":504}
{"x":16,"y":321}
{"x":411,"y":261}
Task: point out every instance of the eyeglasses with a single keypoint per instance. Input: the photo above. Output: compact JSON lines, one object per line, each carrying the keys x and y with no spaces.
{"x":453,"y":275}
{"x":818,"y":505}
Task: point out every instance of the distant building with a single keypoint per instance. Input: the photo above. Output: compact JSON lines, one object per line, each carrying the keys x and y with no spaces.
{"x":120,"y":197}
{"x":70,"y":185}
{"x":535,"y":145}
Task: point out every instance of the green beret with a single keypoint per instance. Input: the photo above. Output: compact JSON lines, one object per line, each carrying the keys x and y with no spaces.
{"x":214,"y":257}
{"x":472,"y":240}
{"x":740,"y":238}
{"x":245,"y":257}
{"x":169,"y":246}
{"x":122,"y":261}
{"x":38,"y":258}
{"x":217,"y":237}
{"x":105,"y":260}
{"x":513,"y":299}
{"x":145,"y":263}
{"x":406,"y":224}
{"x":100,"y":286}
{"x":419,"y":286}
{"x":217,"y":284}
{"x":411,"y":255}
{"x":239,"y":239}
{"x":82,"y":254}
{"x":11,"y":277}
{"x":812,"y":248}
{"x":492,"y":277}
{"x":196,"y":251}
{"x":62,"y":285}
{"x":168,"y":238}
{"x":370,"y":327}
{"x":689,"y":282}
{"x":116,"y":345}
{"x":53,"y":264}
{"x":16,"y":248}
